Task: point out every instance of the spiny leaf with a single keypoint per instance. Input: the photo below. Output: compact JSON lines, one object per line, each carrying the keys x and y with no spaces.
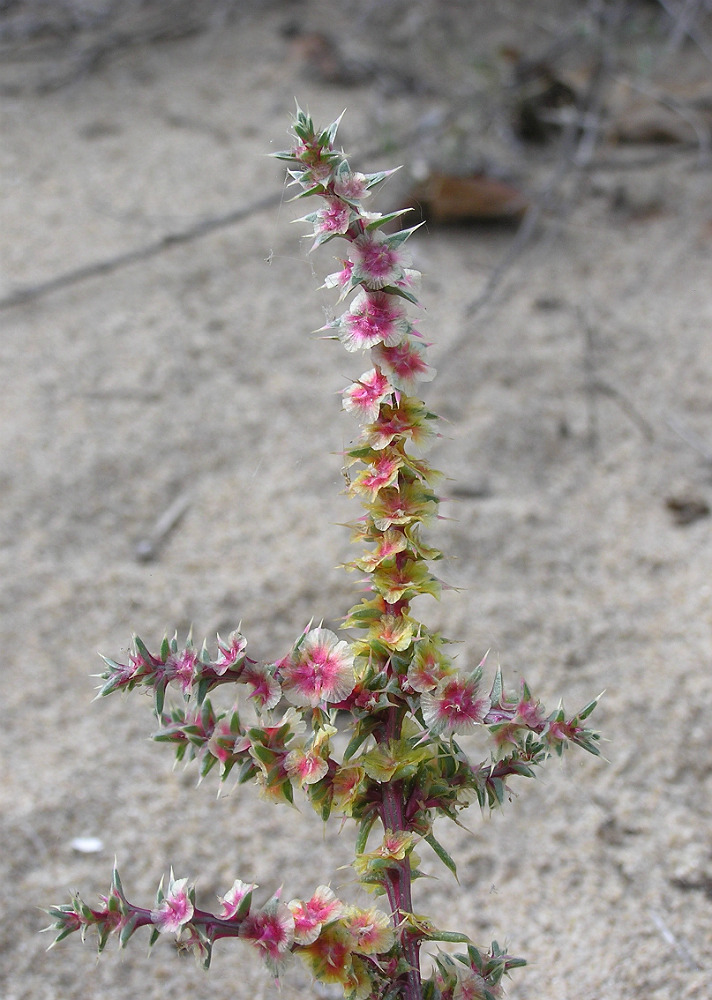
{"x":446,"y":860}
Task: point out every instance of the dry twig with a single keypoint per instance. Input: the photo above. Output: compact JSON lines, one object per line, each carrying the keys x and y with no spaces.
{"x":111,"y":264}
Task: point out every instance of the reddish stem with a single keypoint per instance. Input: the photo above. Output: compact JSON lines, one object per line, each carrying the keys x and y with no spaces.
{"x":398,"y":886}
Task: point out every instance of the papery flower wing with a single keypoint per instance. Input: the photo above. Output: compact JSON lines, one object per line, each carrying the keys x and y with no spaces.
{"x":325,"y":904}
{"x":393,"y":631}
{"x":310,"y":916}
{"x":332,"y":220}
{"x":365,"y":396}
{"x":351,"y":186}
{"x":174,"y":909}
{"x":266,"y":691}
{"x":390,"y":542}
{"x":371,"y":930}
{"x":428,"y":666}
{"x":237,"y":898}
{"x":305,"y":765}
{"x":329,"y":957}
{"x":307,"y":926}
{"x":229,"y":653}
{"x":181,"y":667}
{"x":469,"y":986}
{"x":454,"y":706}
{"x":321,"y":669}
{"x":272,"y":931}
{"x":346,"y":785}
{"x":376,"y":262}
{"x":405,"y":363}
{"x":382,"y":472}
{"x":373,"y":318}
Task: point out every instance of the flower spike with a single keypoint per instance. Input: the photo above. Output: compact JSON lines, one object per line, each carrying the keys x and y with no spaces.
{"x":378,"y":714}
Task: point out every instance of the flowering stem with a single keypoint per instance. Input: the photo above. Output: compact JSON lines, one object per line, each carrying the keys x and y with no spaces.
{"x":398,"y":889}
{"x":398,"y":885}
{"x":405,"y":698}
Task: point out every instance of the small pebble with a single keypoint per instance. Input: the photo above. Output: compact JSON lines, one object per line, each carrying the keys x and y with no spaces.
{"x":87,"y":845}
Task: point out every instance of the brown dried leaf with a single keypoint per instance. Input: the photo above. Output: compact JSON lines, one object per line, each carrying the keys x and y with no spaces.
{"x":687,"y":509}
{"x":444,"y":198}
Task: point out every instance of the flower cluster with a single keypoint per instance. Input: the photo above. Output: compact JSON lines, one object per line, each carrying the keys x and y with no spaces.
{"x":390,"y":685}
{"x":314,"y":930}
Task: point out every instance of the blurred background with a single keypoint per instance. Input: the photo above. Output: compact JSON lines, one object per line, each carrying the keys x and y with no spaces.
{"x":171,"y":439}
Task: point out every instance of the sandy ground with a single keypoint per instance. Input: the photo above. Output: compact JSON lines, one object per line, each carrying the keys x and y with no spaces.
{"x":192,"y":372}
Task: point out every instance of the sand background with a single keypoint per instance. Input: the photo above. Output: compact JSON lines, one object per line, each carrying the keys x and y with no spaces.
{"x":578,"y":405}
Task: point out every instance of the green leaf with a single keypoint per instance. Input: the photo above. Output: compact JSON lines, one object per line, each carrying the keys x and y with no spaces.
{"x":263,"y":754}
{"x":364,"y":830}
{"x":446,"y":860}
{"x":327,"y":137}
{"x":127,"y":930}
{"x":497,"y":688}
{"x":142,"y":649}
{"x":585,"y":712}
{"x":374,"y":179}
{"x":202,"y":690}
{"x":397,"y":239}
{"x":403,"y":292}
{"x":317,"y":189}
{"x":383,"y":220}
{"x":159,"y":697}
{"x":359,"y":737}
{"x":284,"y":154}
{"x":452,"y":936}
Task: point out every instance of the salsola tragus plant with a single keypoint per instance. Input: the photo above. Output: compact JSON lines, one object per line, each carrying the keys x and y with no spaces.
{"x":391,"y":682}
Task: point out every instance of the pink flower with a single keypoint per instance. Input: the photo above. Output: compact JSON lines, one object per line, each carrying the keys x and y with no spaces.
{"x":175,"y":908}
{"x":229,"y":653}
{"x":405,"y":363}
{"x":365,"y":396}
{"x":224,"y":741}
{"x":334,"y":218}
{"x":310,"y":764}
{"x":341,"y":279}
{"x":345,"y":786}
{"x":320,"y":669}
{"x":266,"y":691}
{"x":394,"y":631}
{"x":374,"y":318}
{"x":325,"y":905}
{"x":376,"y":262}
{"x":471,"y":986}
{"x":272,"y":930}
{"x":351,"y":186}
{"x":529,"y":714}
{"x":390,"y":542}
{"x":310,"y":916}
{"x":180,"y":667}
{"x":370,"y":929}
{"x":409,"y":419}
{"x":396,"y":845}
{"x":234,"y":898}
{"x":305,"y":765}
{"x":382,"y":472}
{"x":329,"y":957}
{"x":429,"y":665}
{"x":454,"y":706}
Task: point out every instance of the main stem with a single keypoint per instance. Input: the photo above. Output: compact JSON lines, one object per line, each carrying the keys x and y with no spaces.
{"x":398,"y":886}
